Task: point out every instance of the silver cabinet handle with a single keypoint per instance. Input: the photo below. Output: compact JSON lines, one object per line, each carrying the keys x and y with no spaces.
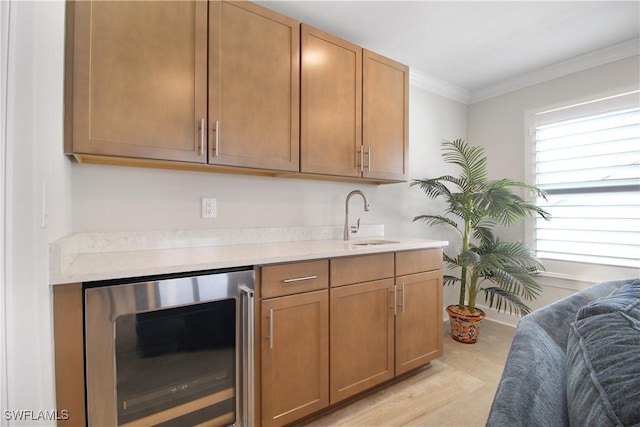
{"x":217,"y":140}
{"x":203,"y":135}
{"x":369,"y":159}
{"x":361,"y":152}
{"x":402,"y":290}
{"x":395,"y":300}
{"x":248,"y":343}
{"x":271,"y":329}
{"x":299,"y":279}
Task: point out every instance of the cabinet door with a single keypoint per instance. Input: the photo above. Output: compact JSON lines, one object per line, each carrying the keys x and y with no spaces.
{"x":418,"y":320}
{"x":361,"y":334}
{"x":385,"y":109}
{"x":295,"y":357}
{"x":331,"y":104}
{"x":254,"y":77}
{"x":139,"y":79}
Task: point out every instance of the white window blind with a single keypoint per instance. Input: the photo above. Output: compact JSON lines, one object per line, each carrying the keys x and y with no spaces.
{"x":587,"y":159}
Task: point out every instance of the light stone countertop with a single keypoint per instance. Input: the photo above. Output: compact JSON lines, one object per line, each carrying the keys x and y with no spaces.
{"x":86,"y":257}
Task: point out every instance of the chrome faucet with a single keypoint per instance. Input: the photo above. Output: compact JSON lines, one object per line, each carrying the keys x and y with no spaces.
{"x":354,"y":228}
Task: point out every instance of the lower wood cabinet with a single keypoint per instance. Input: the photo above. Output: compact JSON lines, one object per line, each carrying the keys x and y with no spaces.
{"x":419,"y":313}
{"x":68,"y":329}
{"x":362,"y":350}
{"x":295,"y":356}
{"x":377,"y":316}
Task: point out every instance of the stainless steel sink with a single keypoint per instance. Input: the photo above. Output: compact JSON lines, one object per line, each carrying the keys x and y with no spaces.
{"x":372,"y":242}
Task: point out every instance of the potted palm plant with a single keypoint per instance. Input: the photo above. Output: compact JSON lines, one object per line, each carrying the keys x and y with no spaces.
{"x":505,"y":272}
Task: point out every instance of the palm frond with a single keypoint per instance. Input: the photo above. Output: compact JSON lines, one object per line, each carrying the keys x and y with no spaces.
{"x":436,"y":220}
{"x":450,"y":280}
{"x":434,"y":187}
{"x":506,"y":182}
{"x":483,"y":231}
{"x":517,"y":281}
{"x":529,"y":288}
{"x":471,"y":160}
{"x":447,"y":258}
{"x":516,"y":254}
{"x":500,"y":299}
{"x":497,"y":255}
{"x":501,"y":203}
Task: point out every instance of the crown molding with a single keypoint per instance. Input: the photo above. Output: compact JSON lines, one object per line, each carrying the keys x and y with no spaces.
{"x":561,"y":69}
{"x":439,"y":87}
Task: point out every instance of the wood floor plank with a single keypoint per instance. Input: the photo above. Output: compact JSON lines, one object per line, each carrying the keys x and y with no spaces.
{"x":436,"y":396}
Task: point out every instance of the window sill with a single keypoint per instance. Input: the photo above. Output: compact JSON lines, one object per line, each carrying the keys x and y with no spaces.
{"x":576,"y":276}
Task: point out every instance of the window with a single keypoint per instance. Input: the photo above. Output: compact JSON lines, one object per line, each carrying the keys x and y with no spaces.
{"x":587,"y":158}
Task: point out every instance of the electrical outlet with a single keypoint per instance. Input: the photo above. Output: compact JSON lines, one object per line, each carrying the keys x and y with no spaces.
{"x":209,"y":207}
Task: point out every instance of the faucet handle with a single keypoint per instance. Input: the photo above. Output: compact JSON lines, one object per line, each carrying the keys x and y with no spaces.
{"x":355,"y":228}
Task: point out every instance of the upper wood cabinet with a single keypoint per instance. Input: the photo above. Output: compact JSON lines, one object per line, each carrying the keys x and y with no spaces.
{"x":385,"y":115}
{"x":136,"y":79}
{"x":254,"y":81}
{"x":354,"y":110}
{"x":141,"y":75}
{"x":331,"y":104}
{"x":229,"y":86}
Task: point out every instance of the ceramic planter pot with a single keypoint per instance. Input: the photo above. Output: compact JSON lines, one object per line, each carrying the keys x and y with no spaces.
{"x":465,"y":328}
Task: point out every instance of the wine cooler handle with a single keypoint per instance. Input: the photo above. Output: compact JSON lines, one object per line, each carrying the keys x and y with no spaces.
{"x":248,"y":356}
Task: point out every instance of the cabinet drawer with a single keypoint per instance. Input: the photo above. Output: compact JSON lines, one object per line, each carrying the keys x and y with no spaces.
{"x":411,"y":262}
{"x":294,"y":278}
{"x":357,"y":269}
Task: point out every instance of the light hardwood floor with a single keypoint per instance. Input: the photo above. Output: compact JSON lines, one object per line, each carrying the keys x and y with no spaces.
{"x":457,"y":390}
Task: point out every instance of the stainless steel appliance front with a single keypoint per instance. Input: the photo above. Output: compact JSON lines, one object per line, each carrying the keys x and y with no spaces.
{"x":171,"y":351}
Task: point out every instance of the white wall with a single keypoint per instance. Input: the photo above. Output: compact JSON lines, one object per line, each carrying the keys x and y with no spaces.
{"x":4,"y":60}
{"x":34,"y":143}
{"x":498,"y":125}
{"x":102,"y":198}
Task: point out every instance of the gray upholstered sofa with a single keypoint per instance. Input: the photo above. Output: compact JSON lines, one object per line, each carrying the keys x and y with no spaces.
{"x":575,"y":362}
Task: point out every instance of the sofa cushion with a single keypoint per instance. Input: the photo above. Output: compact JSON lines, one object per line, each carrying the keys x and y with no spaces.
{"x":556,"y":318}
{"x":626,"y":299}
{"x":532,"y":390}
{"x":603,"y":363}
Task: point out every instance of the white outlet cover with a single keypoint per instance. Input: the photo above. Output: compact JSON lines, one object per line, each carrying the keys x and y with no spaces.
{"x":209,"y":207}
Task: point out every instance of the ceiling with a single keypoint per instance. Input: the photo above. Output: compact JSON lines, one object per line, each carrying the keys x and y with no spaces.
{"x":473,"y":50}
